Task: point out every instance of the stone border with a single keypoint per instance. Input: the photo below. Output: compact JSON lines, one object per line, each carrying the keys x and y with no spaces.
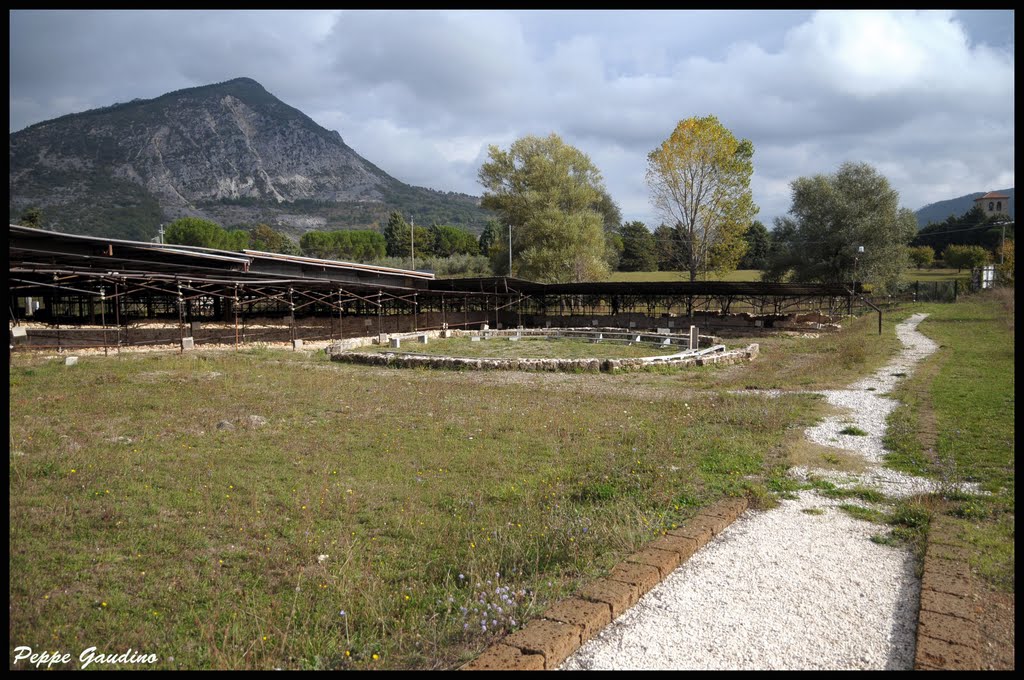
{"x":948,"y":634}
{"x":395,"y":360}
{"x":546,"y":642}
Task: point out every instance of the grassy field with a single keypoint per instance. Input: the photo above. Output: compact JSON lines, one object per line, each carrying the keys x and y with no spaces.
{"x":527,"y":348}
{"x":923,"y":275}
{"x":263,"y":509}
{"x":957,"y":423}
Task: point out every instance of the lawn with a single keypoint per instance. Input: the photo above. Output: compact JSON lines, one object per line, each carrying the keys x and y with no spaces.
{"x":527,"y":348}
{"x":271,"y":509}
{"x":957,"y":423}
{"x":922,"y":275}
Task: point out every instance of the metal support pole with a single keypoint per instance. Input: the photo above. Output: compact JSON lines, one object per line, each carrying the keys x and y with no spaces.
{"x":117,"y":316}
{"x":103,"y":320}
{"x":181,"y":323}
{"x":291,"y":311}
{"x":235,"y":306}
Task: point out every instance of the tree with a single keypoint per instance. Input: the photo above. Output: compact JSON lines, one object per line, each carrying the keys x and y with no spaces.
{"x":921,"y":256}
{"x":758,"y":241}
{"x":638,"y":248}
{"x":32,"y":217}
{"x":550,"y":192}
{"x":263,"y":237}
{"x":612,"y":216}
{"x":665,"y":247}
{"x":973,"y":228}
{"x":1005,"y":256}
{"x":489,"y":237}
{"x":700,"y":182}
{"x":965,"y":257}
{"x":397,"y":235}
{"x":195,"y":231}
{"x":446,"y":241}
{"x":832,"y":216}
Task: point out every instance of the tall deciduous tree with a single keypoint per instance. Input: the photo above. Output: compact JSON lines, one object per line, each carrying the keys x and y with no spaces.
{"x":551,"y":194}
{"x":831,"y":218}
{"x":921,"y":256}
{"x":700,"y":182}
{"x":965,"y":257}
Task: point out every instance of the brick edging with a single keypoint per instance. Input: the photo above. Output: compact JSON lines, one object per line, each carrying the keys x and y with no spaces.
{"x":948,"y":634}
{"x":545,"y":642}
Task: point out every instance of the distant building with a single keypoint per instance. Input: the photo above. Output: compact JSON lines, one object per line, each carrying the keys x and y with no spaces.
{"x":994,"y":203}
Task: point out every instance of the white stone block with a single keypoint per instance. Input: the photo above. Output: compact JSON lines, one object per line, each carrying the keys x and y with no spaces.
{"x":396,"y":342}
{"x":70,"y":361}
{"x":188,"y":343}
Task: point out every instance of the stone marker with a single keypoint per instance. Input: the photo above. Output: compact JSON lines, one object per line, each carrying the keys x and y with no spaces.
{"x":513,"y":338}
{"x":474,"y":338}
{"x":297,"y":344}
{"x":632,"y":324}
{"x":18,"y":332}
{"x":396,"y":342}
{"x":499,"y":326}
{"x":422,"y":338}
{"x":188,"y":343}
{"x":70,"y":361}
{"x":664,"y":331}
{"x":195,"y":327}
{"x":666,"y":342}
{"x":593,"y":322}
{"x":694,"y":338}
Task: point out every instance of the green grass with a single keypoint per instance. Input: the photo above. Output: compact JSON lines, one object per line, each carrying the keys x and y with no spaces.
{"x":923,"y":275}
{"x":854,"y":431}
{"x":136,"y":522}
{"x":956,"y":423}
{"x":526,"y":348}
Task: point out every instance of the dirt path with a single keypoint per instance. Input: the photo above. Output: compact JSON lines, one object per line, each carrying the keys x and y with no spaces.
{"x":801,"y":586}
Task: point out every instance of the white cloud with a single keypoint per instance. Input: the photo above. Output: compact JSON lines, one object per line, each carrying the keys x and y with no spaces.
{"x":423,"y":93}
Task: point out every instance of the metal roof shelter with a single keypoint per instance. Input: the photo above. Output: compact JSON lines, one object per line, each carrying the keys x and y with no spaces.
{"x":87,"y":277}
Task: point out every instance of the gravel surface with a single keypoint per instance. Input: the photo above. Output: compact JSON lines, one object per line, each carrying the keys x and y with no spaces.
{"x":801,"y":586}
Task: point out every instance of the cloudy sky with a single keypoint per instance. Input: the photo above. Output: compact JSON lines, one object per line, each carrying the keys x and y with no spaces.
{"x":925,"y":97}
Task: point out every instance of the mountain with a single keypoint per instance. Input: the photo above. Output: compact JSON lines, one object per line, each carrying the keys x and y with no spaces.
{"x":938,"y":212}
{"x":229,"y":152}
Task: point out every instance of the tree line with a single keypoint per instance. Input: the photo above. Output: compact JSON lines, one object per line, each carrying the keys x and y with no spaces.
{"x":556,"y":222}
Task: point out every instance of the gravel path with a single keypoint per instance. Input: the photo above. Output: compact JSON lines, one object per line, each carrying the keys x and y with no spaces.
{"x":801,"y":586}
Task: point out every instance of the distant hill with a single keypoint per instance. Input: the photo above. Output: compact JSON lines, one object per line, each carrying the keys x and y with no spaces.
{"x":230,"y":152}
{"x":938,"y":212}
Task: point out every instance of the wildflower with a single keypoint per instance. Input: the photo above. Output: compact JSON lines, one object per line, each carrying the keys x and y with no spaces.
{"x":342,"y":613}
{"x":375,"y":657}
